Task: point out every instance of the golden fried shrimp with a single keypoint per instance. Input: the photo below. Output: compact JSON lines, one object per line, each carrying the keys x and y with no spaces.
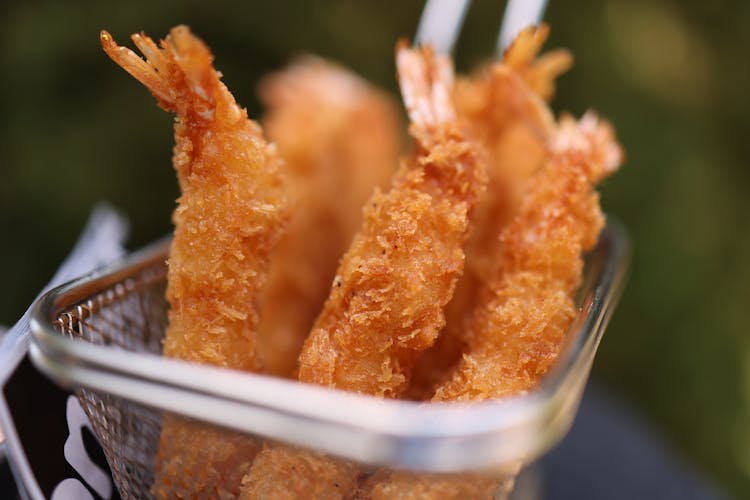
{"x":508,"y":116}
{"x":519,"y":325}
{"x":339,"y":138}
{"x":229,"y":216}
{"x":386,"y":303}
{"x":518,"y":328}
{"x":514,"y":125}
{"x":232,"y":209}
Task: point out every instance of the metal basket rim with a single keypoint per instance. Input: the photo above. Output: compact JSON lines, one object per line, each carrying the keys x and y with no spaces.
{"x":439,"y":437}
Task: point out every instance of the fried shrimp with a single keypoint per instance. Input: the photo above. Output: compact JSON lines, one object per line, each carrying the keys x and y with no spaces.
{"x":502,"y":107}
{"x":387,"y":299}
{"x":518,"y":328}
{"x":386,"y":303}
{"x":339,"y":138}
{"x":229,"y":216}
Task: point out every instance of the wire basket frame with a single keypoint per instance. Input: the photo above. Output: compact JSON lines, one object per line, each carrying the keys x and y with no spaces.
{"x":101,"y":336}
{"x":132,"y":315}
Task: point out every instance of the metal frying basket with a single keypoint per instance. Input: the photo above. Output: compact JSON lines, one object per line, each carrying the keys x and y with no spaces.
{"x":101,"y":336}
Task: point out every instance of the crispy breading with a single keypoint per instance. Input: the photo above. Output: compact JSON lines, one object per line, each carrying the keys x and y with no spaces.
{"x":339,"y":138}
{"x":285,"y":473}
{"x":236,"y":304}
{"x":513,"y":123}
{"x":519,"y":325}
{"x":386,"y":303}
{"x":212,"y":469}
{"x":386,"y":484}
{"x":229,"y":216}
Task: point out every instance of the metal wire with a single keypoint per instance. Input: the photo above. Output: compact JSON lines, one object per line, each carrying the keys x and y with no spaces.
{"x":440,"y":23}
{"x":131,"y":315}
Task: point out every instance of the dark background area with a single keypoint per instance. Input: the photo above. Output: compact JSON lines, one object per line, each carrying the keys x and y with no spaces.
{"x":673,"y":76}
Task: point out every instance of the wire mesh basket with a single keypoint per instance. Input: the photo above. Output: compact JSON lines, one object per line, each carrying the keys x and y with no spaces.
{"x":101,"y":336}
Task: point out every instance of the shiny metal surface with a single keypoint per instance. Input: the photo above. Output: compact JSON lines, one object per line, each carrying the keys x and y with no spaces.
{"x":101,"y":336}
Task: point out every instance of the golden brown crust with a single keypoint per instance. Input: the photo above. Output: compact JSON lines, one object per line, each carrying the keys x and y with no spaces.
{"x":386,"y":302}
{"x":213,"y":470}
{"x":229,"y":216}
{"x":513,"y":307}
{"x":339,"y":138}
{"x":232,"y":209}
{"x":508,"y":318}
{"x":514,"y":125}
{"x":298,"y":474}
{"x":519,"y":325}
{"x":391,"y":485}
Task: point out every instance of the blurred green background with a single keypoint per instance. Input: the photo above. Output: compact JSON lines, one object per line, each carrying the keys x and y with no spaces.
{"x":673,"y":76}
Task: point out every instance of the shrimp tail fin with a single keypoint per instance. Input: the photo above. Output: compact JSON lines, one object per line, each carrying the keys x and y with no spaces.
{"x":150,"y":72}
{"x":179,"y":72}
{"x":426,"y":81}
{"x":526,"y":46}
{"x":539,"y":71}
{"x":591,"y":141}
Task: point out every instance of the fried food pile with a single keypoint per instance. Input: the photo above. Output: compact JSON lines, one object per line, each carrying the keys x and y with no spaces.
{"x":306,"y":248}
{"x":386,"y":303}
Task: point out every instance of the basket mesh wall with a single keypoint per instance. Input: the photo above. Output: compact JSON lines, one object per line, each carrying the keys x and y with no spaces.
{"x":131,"y":315}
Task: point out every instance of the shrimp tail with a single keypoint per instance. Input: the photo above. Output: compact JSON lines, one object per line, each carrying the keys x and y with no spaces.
{"x":591,"y":142}
{"x":150,"y":72}
{"x":539,"y":72}
{"x":179,"y":73}
{"x":426,"y":82}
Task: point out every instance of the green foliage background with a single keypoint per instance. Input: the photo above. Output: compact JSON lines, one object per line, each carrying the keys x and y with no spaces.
{"x":673,"y":76}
